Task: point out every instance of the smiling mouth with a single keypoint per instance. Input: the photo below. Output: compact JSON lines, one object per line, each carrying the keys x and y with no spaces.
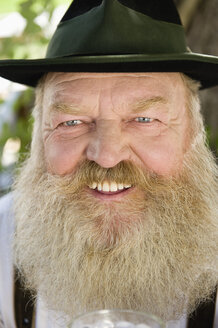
{"x":109,"y":188}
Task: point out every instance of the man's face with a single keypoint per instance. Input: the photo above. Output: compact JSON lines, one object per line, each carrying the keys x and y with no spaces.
{"x":109,"y":118}
{"x":141,"y":247}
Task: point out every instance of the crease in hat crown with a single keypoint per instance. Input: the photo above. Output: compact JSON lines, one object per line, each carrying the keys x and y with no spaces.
{"x":110,"y":27}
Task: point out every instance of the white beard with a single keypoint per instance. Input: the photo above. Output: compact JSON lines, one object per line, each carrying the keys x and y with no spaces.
{"x":155,"y":252}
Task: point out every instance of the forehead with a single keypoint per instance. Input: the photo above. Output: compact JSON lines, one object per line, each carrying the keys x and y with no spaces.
{"x":72,"y":87}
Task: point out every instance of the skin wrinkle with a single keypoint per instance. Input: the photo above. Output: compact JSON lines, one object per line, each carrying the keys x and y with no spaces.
{"x":111,"y":99}
{"x":109,"y":76}
{"x":141,"y":106}
{"x":145,"y":104}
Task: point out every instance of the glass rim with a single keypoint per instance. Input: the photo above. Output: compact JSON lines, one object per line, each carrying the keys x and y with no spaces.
{"x":106,"y":311}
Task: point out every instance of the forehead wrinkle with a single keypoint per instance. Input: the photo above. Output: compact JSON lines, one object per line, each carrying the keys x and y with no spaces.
{"x":144,"y":104}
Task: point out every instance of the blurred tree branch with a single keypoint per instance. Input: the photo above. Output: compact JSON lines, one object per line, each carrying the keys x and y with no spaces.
{"x":187,"y":9}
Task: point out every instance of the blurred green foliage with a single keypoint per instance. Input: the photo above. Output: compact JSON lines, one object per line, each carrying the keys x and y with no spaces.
{"x":212,"y":139}
{"x":31,"y":43}
{"x":23,"y":122}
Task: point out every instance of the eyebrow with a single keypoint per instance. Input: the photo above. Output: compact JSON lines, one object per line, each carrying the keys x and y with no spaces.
{"x":66,"y":109}
{"x":140,"y":106}
{"x":144,"y":104}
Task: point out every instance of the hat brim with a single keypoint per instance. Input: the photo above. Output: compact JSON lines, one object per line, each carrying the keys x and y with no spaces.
{"x":200,"y":67}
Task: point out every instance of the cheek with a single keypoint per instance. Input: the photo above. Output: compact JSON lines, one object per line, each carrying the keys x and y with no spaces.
{"x":62,"y":157}
{"x":163,"y":157}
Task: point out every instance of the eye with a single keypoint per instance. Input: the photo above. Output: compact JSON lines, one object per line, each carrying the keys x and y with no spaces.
{"x":71,"y":123}
{"x":144,"y":119}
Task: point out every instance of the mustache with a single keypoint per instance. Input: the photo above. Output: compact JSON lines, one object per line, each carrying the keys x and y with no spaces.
{"x":126,"y":171}
{"x":88,"y":172}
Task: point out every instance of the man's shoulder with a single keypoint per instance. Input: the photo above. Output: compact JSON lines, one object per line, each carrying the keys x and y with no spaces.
{"x":6,"y":263}
{"x":6,"y":210}
{"x":6,"y":203}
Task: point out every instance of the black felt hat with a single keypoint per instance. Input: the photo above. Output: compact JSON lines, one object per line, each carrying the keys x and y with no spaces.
{"x":117,"y":36}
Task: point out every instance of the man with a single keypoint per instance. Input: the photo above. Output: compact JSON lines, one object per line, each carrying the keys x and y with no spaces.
{"x":116,"y":206}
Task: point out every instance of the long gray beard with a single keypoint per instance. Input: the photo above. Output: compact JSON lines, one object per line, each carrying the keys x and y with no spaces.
{"x":155,"y":252}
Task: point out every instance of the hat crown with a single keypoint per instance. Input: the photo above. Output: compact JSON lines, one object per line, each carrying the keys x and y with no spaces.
{"x":164,"y":10}
{"x":108,"y":27}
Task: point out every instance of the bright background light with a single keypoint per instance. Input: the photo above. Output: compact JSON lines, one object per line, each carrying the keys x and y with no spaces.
{"x":13,"y":24}
{"x":10,"y":152}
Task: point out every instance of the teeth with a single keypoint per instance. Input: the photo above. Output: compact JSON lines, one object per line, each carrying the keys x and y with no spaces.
{"x":120,"y":186}
{"x":106,"y":186}
{"x":94,"y":185}
{"x":99,"y":186}
{"x":113,"y":186}
{"x":109,"y":186}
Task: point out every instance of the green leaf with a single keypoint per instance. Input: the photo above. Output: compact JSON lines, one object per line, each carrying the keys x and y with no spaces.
{"x":9,"y":6}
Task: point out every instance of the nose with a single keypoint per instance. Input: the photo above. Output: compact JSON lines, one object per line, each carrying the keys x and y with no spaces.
{"x":107,"y":145}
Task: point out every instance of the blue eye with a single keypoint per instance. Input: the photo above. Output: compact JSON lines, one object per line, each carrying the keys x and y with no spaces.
{"x":72,"y":123}
{"x":144,"y":119}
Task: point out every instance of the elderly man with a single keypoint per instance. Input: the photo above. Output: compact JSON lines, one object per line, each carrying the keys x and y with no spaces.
{"x":116,"y":206}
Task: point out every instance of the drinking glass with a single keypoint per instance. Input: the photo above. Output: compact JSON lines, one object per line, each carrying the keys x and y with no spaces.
{"x":116,"y":319}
